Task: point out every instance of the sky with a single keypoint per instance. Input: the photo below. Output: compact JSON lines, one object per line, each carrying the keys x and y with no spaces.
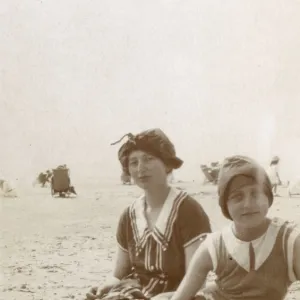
{"x":219,"y":77}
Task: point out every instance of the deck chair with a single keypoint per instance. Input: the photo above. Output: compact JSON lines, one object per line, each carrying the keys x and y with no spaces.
{"x":206,"y":171}
{"x":61,"y":183}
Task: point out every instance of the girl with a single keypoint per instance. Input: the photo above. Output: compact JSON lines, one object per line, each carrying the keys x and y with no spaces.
{"x":158,"y":234}
{"x":255,"y":257}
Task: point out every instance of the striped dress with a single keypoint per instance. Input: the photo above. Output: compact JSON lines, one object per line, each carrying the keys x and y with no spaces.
{"x":258,"y":270}
{"x":157,"y":255}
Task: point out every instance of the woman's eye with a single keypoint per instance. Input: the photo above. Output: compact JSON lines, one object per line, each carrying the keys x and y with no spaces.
{"x":133,"y":163}
{"x":148,"y":158}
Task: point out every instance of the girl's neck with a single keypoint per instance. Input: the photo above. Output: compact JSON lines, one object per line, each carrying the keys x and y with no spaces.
{"x":250,"y":234}
{"x":156,"y":197}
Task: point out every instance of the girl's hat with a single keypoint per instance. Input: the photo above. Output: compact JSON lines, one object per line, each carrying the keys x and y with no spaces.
{"x":240,"y":165}
{"x":153,"y":141}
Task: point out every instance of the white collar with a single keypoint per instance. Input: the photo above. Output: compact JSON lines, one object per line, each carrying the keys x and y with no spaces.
{"x":163,"y":227}
{"x":263,"y":246}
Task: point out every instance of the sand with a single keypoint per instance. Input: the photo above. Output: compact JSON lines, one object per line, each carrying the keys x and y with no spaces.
{"x":55,"y":248}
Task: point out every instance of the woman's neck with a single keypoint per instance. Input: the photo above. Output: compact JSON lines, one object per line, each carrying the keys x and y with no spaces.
{"x":156,"y":197}
{"x":250,"y":234}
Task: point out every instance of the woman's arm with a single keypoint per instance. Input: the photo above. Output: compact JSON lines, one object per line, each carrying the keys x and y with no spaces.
{"x":122,"y":264}
{"x":122,"y":268}
{"x":189,"y":252}
{"x":199,"y":266}
{"x":296,"y":262}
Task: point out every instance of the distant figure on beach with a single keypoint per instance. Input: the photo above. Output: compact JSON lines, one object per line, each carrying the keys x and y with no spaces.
{"x":43,"y":178}
{"x":7,"y":189}
{"x":255,"y":257}
{"x":274,"y":174}
{"x":294,"y":187}
{"x":125,"y":178}
{"x":211,"y":173}
{"x":159,"y":232}
{"x":171,"y":177}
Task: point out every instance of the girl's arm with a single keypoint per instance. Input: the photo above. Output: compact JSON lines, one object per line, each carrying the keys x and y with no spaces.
{"x":296,"y":262}
{"x":195,"y":276}
{"x":189,"y":252}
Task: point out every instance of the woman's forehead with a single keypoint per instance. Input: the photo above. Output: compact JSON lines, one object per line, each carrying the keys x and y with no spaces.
{"x":135,"y":154}
{"x":241,"y":182}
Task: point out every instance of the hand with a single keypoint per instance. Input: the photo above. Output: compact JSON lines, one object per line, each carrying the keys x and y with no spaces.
{"x":98,"y":292}
{"x":91,"y":295}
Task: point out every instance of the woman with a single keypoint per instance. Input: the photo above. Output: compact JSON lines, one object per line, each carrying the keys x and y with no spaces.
{"x":274,"y":175}
{"x":158,"y":234}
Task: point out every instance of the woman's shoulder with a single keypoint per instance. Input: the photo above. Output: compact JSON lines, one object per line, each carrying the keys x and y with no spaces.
{"x":135,"y":207}
{"x":192,"y":214}
{"x":190,"y":202}
{"x":190,"y":207}
{"x":125,"y":214}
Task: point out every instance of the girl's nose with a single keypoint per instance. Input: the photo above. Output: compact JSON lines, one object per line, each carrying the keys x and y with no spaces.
{"x":248,"y":201}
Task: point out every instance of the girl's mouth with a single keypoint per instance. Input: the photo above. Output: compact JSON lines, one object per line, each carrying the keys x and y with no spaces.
{"x":144,"y":178}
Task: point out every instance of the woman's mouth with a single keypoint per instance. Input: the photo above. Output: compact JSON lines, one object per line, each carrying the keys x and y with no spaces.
{"x":249,"y":213}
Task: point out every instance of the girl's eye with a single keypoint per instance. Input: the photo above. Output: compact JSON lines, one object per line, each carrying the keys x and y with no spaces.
{"x":254,"y":194}
{"x":237,"y":197}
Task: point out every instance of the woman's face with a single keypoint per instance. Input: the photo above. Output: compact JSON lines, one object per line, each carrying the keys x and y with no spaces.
{"x":247,"y":202}
{"x":146,"y":170}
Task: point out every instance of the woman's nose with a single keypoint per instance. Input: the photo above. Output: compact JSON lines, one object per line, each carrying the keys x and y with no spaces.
{"x":141,"y":166}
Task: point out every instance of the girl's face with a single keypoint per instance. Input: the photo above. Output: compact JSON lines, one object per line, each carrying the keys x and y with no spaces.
{"x":147,"y":170}
{"x":247,"y":203}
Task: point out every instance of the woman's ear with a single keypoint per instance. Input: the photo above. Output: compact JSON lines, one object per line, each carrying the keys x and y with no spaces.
{"x":168,"y":170}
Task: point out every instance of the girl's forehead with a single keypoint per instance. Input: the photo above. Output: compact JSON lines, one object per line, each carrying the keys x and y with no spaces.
{"x":242,"y":182}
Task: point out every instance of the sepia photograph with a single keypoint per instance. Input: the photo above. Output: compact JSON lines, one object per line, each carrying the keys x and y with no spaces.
{"x":150,"y":150}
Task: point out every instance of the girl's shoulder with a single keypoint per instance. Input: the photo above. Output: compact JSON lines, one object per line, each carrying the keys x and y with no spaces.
{"x":286,"y":225}
{"x":212,"y":244}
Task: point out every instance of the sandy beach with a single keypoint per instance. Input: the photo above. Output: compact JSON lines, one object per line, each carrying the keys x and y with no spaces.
{"x":55,"y":248}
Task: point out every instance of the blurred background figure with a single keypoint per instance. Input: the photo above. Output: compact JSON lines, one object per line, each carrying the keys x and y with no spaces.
{"x":171,"y":178}
{"x":273,"y":173}
{"x":43,"y":178}
{"x":125,"y":178}
{"x":7,"y":188}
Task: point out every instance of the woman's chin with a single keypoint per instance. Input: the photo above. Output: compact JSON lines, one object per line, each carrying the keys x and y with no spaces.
{"x":143,"y":185}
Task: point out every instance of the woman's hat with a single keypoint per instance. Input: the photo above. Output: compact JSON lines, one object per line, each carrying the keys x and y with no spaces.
{"x":153,"y":141}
